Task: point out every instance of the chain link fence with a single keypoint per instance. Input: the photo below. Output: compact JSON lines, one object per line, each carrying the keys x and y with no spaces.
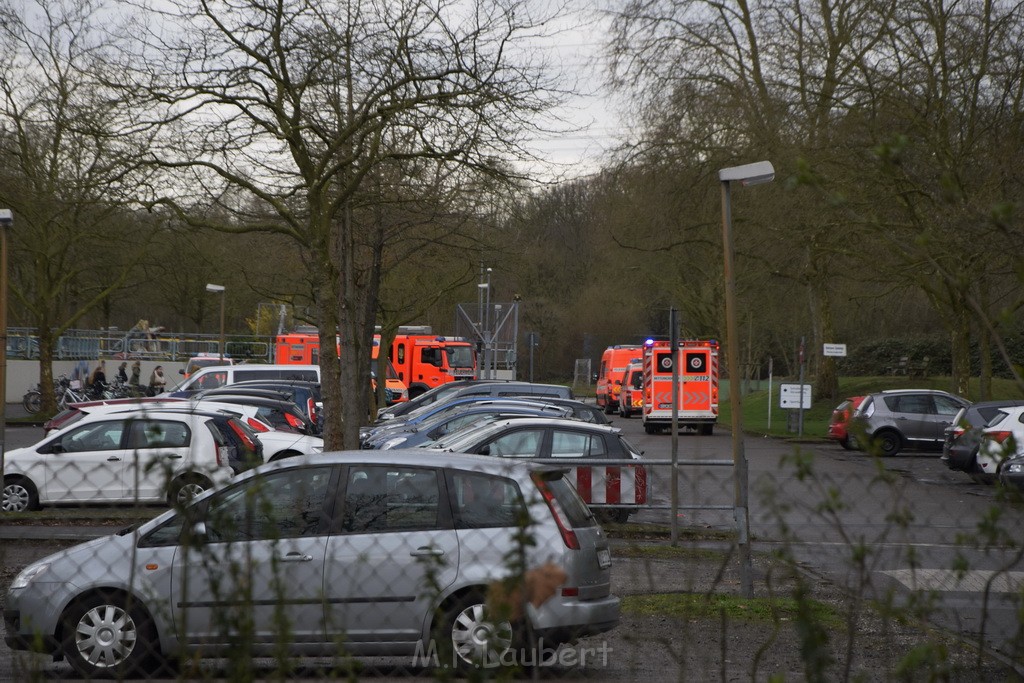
{"x":391,"y":564}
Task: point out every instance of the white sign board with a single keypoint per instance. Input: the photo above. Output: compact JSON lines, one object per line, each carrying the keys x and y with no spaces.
{"x":835,"y":350}
{"x":795,"y":396}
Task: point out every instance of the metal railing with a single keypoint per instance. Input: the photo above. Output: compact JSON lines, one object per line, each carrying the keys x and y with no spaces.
{"x":23,"y":344}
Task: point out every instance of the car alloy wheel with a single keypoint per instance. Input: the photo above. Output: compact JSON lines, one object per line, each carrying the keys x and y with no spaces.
{"x":105,"y":638}
{"x":18,"y":496}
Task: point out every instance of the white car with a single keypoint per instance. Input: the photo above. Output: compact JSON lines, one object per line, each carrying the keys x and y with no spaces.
{"x":144,"y":456}
{"x":1001,"y":439}
{"x":276,"y":444}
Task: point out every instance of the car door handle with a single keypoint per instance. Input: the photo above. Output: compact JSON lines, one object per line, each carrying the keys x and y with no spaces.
{"x":296,"y":557}
{"x":427,"y":552}
{"x":174,"y":456}
{"x":113,"y":458}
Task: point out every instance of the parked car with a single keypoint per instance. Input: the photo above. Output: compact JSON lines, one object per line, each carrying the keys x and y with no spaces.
{"x":621,"y":488}
{"x":1012,"y":472}
{"x":447,"y":423}
{"x":428,"y":412}
{"x":580,"y":410}
{"x":839,"y":423}
{"x":141,"y":456}
{"x":474,"y":387}
{"x":214,"y":376}
{"x":349,"y":531}
{"x":303,"y":393}
{"x":203,"y":360}
{"x":1001,"y":440}
{"x":960,"y":450}
{"x":893,"y":420}
{"x":278,"y":413}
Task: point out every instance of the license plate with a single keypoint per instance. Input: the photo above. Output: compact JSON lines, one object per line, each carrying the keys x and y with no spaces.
{"x":604,"y":558}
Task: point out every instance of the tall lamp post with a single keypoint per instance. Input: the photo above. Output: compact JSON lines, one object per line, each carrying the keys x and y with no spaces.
{"x":6,"y":222}
{"x":749,"y":174}
{"x":219,"y":289}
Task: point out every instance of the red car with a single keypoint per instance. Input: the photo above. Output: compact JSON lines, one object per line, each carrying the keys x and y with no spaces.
{"x":838,"y":425}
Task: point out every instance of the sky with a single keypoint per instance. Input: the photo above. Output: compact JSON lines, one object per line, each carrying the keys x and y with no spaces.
{"x":589,"y":120}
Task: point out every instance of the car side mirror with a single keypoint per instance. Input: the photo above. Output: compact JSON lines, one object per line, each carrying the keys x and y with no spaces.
{"x":484,"y":450}
{"x":181,"y":371}
{"x":199,"y":533}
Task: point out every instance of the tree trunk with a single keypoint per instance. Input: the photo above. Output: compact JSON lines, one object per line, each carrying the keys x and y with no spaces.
{"x":961,"y":349}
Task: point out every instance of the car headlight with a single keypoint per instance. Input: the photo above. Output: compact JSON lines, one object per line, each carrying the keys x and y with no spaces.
{"x":394,"y":442}
{"x":1015,"y":466}
{"x":28,"y":575}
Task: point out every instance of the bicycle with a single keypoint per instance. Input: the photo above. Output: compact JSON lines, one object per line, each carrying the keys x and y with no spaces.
{"x":71,"y":391}
{"x":32,"y":401}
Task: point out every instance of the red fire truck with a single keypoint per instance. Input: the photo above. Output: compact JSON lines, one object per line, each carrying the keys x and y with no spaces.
{"x":302,"y":347}
{"x":697,"y":394}
{"x":614,"y":362}
{"x":424,"y":360}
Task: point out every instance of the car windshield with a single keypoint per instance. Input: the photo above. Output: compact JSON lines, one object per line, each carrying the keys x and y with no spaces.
{"x":459,"y":356}
{"x":463,"y":439}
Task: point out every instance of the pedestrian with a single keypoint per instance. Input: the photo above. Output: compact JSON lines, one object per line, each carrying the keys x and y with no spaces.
{"x":122,"y":372}
{"x":98,"y":379}
{"x":136,"y":374}
{"x":157,"y":381}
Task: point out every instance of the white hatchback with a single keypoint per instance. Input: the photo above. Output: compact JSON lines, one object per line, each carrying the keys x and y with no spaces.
{"x":1001,"y":439}
{"x":143,"y":456}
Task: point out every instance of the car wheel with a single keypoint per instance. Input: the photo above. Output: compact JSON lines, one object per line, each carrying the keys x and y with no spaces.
{"x":608,"y":409}
{"x":651,"y":429}
{"x":476,"y":641}
{"x":889,"y":442}
{"x":185,"y":488}
{"x":20,"y":495}
{"x":847,"y":443}
{"x":707,"y":430}
{"x":103,"y":637}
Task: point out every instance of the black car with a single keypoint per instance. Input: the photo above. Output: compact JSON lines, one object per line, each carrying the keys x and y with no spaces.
{"x":960,"y":449}
{"x":279,"y":414}
{"x":306,"y":395}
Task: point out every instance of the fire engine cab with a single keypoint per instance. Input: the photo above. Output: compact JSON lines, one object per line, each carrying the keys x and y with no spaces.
{"x":697,"y":393}
{"x":424,"y":360}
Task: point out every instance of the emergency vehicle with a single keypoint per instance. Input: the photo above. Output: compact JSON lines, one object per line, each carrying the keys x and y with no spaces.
{"x":302,"y":347}
{"x":614,"y":362}
{"x":697,"y":393}
{"x":424,"y":360}
{"x":631,"y":397}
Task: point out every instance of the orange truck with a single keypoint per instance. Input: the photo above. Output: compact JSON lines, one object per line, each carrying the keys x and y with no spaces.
{"x":303,"y":348}
{"x":697,"y":395}
{"x":424,"y":360}
{"x":614,"y":362}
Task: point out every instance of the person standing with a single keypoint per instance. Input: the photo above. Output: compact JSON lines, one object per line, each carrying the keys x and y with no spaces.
{"x":136,"y":376}
{"x":157,"y":381}
{"x":122,"y":372}
{"x":98,"y":379}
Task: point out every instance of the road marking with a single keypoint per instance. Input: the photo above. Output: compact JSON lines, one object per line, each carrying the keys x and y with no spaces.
{"x":947,"y":580}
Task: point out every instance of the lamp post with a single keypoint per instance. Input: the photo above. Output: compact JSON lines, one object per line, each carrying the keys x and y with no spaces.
{"x":219,"y":289}
{"x":749,"y":174}
{"x":6,"y":222}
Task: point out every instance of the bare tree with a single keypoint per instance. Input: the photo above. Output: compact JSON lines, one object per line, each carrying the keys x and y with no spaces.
{"x":277,"y":113}
{"x":70,"y":151}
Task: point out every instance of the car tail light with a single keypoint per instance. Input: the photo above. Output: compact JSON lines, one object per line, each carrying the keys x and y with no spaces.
{"x":568,"y":535}
{"x":311,"y":409}
{"x":240,"y":433}
{"x":256,"y":425}
{"x":295,"y":422}
{"x":999,"y":437}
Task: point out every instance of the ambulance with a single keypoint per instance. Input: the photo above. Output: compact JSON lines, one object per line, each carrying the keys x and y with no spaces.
{"x":697,"y":395}
{"x":631,"y":397}
{"x":614,"y":362}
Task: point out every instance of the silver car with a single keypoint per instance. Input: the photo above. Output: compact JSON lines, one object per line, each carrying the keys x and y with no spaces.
{"x":892,"y":420}
{"x":356,"y":553}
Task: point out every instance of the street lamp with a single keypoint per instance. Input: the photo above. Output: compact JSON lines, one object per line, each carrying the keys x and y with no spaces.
{"x":219,"y":289}
{"x":6,"y":222}
{"x":749,"y":174}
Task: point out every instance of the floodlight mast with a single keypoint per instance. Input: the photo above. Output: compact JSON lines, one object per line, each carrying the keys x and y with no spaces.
{"x":748,"y":174}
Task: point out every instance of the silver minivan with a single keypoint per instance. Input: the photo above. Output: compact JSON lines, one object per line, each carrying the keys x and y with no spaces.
{"x":353,"y":553}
